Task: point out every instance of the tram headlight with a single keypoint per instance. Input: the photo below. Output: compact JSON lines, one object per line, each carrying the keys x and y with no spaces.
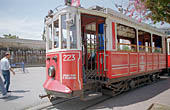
{"x":51,"y":71}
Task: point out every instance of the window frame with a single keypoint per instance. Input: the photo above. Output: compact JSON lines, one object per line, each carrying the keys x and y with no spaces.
{"x":48,"y":36}
{"x":57,"y":18}
{"x":154,"y":47}
{"x":51,"y":21}
{"x":68,"y":32}
{"x":168,"y":46}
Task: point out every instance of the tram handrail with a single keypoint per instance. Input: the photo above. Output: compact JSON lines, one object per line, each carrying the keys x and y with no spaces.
{"x":142,"y":48}
{"x":157,"y":50}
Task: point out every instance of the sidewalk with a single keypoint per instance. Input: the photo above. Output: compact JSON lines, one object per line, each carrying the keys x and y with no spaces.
{"x":25,"y":88}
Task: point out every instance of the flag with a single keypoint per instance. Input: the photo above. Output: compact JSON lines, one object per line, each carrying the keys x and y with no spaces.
{"x":75,"y":3}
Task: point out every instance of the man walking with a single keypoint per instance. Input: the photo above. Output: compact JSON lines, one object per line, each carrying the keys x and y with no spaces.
{"x":2,"y":88}
{"x":6,"y":68}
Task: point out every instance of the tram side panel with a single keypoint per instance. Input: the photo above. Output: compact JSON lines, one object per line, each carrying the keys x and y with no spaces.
{"x":72,"y":70}
{"x":133,"y":61}
{"x":149,"y":61}
{"x":168,"y":61}
{"x":121,"y":64}
{"x":68,"y":72}
{"x":142,"y":62}
{"x":155,"y":61}
{"x":162,"y":61}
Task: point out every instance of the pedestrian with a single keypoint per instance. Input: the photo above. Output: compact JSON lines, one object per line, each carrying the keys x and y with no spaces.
{"x":2,"y":88}
{"x":6,"y":68}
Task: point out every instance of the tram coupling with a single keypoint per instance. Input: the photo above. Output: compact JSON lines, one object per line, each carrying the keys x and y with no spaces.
{"x":43,"y":96}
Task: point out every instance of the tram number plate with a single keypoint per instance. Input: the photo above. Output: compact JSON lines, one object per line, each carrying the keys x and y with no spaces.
{"x":70,"y":57}
{"x":69,"y":76}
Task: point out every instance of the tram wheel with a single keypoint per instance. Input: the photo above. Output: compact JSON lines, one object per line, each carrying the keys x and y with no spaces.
{"x":132,"y":84}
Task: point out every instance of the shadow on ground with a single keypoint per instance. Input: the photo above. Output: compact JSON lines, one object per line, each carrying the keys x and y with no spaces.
{"x":137,"y":95}
{"x":13,"y":97}
{"x":20,"y":91}
{"x":6,"y":99}
{"x":131,"y":97}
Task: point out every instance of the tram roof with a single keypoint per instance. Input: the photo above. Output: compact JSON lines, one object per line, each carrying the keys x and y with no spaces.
{"x":117,"y":17}
{"x":123,"y":19}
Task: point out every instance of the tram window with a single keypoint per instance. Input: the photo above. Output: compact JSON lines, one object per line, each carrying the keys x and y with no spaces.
{"x":64,"y":32}
{"x":126,"y":37}
{"x":144,"y":41}
{"x":157,"y":44}
{"x":90,"y":42}
{"x":50,"y":36}
{"x":56,"y":34}
{"x":125,"y":47}
{"x":73,"y":37}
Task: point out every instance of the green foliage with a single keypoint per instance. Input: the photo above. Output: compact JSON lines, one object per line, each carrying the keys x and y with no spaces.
{"x":125,"y":48}
{"x":142,"y":10}
{"x":9,"y":36}
{"x":157,"y":50}
{"x":158,"y":10}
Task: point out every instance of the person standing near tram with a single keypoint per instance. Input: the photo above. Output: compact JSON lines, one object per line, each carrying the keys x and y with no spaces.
{"x":6,"y":68}
{"x":2,"y":88}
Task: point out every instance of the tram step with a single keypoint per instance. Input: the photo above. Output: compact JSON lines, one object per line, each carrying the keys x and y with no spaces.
{"x":91,"y":95}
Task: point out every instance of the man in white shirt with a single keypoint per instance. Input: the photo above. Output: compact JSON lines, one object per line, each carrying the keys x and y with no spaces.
{"x":6,"y":68}
{"x":2,"y":88}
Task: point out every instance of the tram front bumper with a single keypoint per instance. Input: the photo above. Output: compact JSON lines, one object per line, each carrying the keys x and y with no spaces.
{"x":56,"y":86}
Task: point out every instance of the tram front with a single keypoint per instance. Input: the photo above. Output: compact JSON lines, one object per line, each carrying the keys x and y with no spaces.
{"x":63,"y":54}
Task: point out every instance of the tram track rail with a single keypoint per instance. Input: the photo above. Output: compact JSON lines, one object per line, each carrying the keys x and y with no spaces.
{"x":57,"y":102}
{"x":48,"y":104}
{"x":83,"y":106}
{"x":96,"y":103}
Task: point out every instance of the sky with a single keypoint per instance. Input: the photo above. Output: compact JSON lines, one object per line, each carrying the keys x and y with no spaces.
{"x":25,"y":18}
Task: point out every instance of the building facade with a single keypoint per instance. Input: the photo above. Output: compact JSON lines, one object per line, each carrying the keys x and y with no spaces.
{"x":29,"y":52}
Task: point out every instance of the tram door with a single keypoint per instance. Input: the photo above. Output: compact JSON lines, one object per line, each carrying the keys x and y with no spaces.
{"x":93,"y":51}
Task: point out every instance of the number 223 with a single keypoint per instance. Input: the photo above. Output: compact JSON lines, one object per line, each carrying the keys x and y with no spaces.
{"x":69,"y":57}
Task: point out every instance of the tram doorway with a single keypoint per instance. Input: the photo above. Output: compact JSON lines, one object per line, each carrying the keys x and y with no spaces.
{"x":93,"y":47}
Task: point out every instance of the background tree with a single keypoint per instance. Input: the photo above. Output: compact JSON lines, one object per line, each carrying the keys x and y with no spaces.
{"x":9,"y":36}
{"x":158,"y":10}
{"x":155,"y":10}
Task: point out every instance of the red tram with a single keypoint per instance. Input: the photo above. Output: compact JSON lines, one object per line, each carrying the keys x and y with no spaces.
{"x":100,"y":50}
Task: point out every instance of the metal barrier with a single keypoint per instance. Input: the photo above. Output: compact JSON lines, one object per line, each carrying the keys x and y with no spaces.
{"x":20,"y":64}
